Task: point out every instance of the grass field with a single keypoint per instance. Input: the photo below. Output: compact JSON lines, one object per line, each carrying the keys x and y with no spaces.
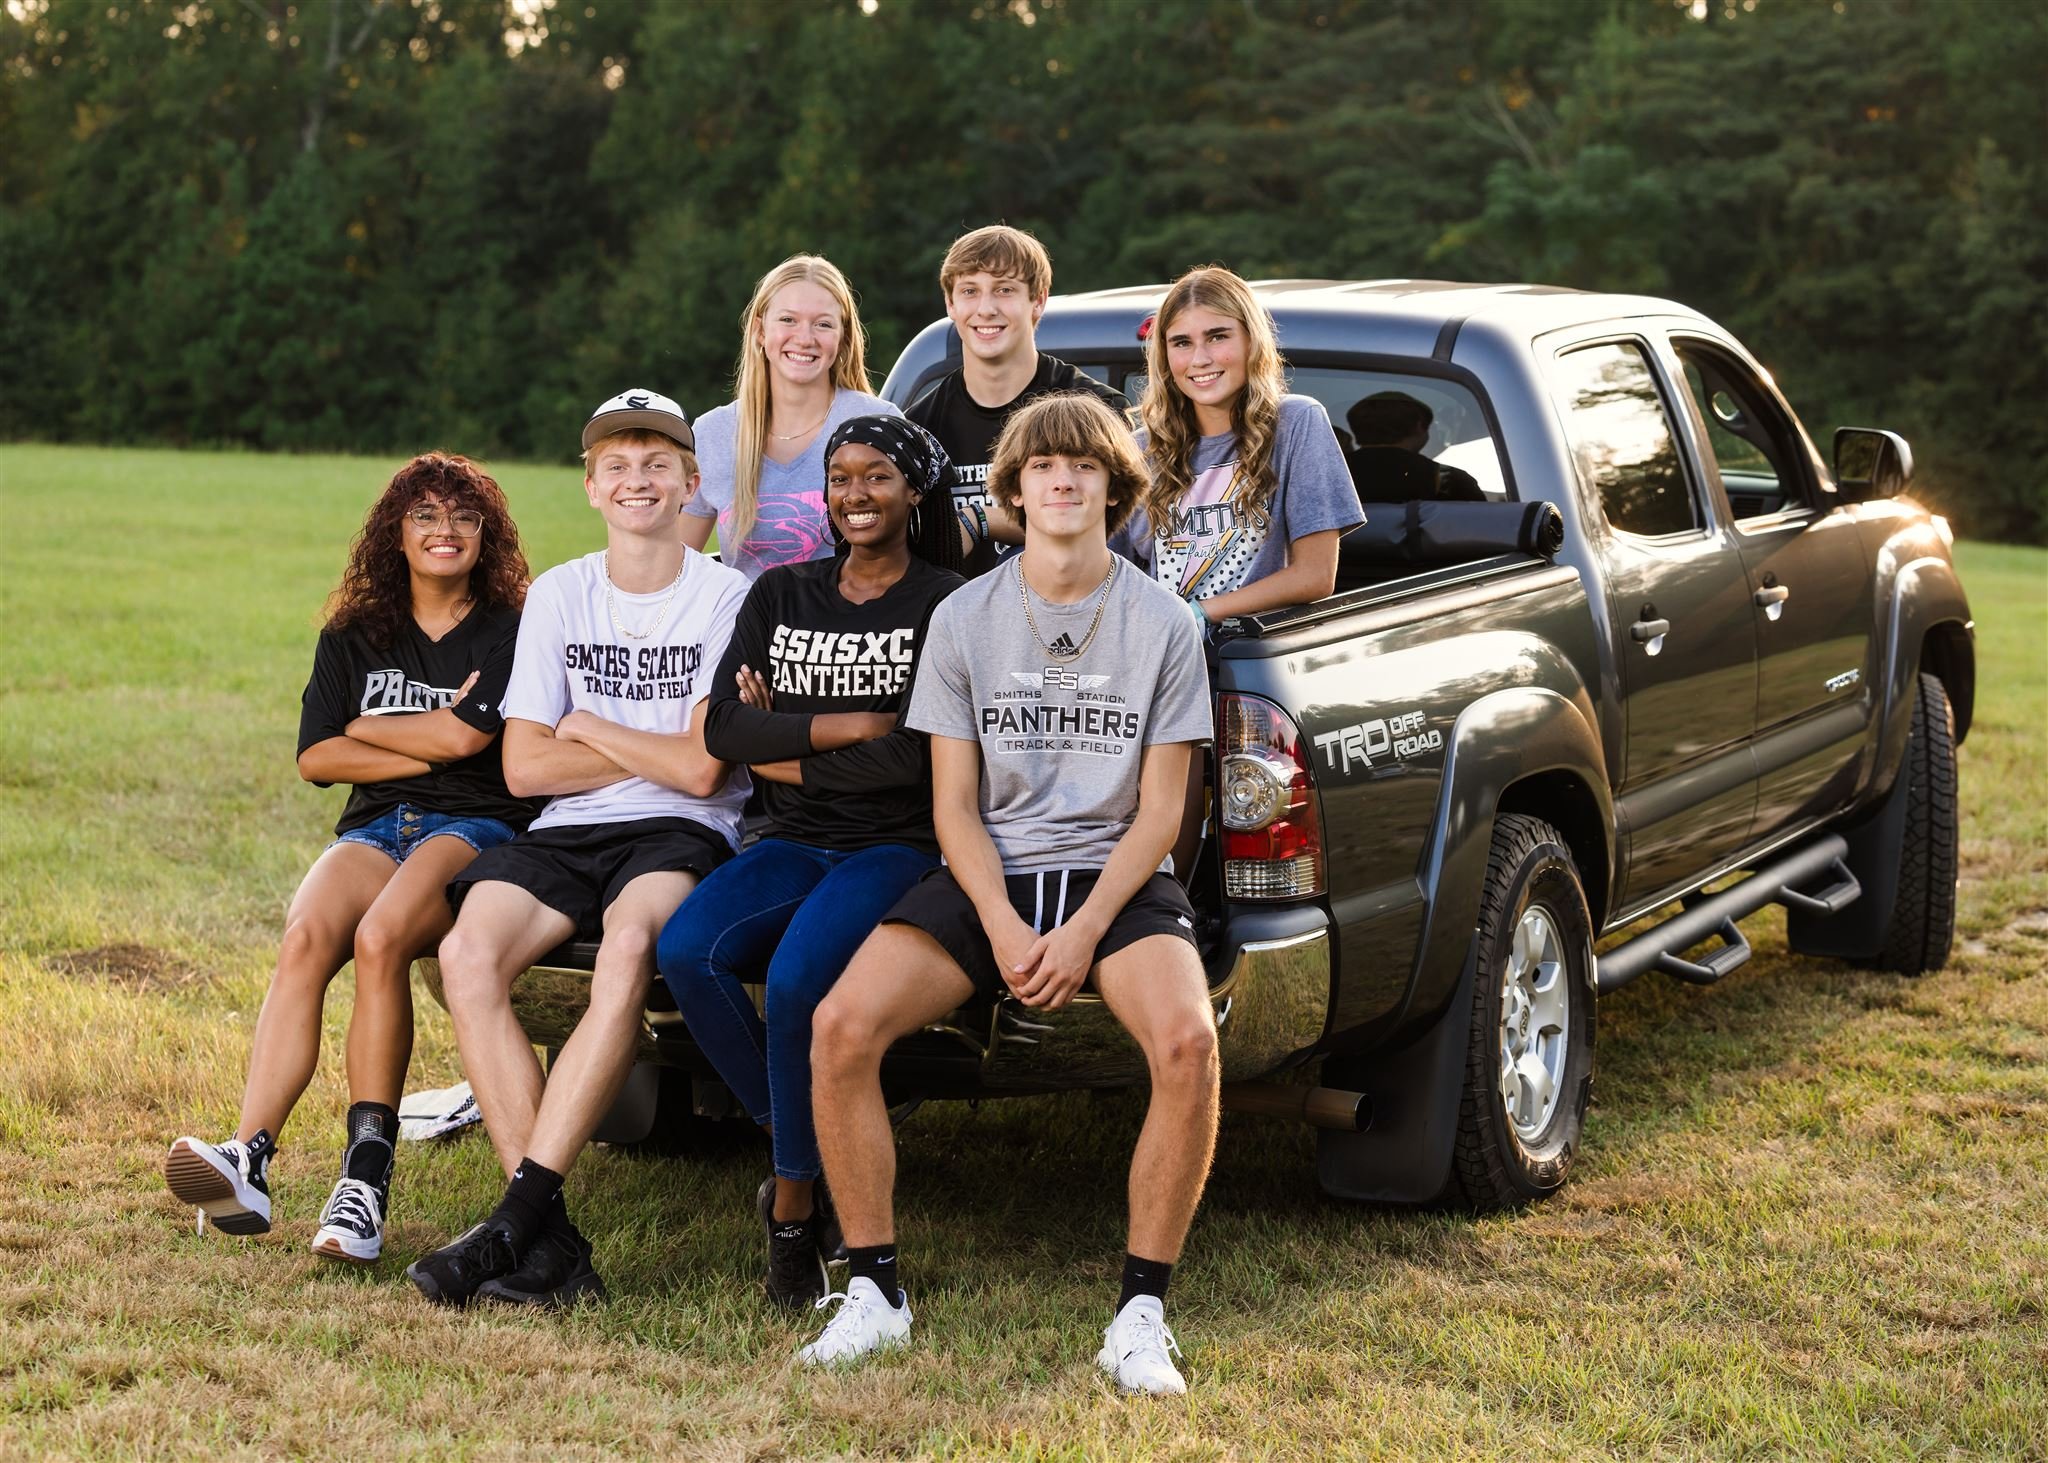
{"x":1808,"y":1220}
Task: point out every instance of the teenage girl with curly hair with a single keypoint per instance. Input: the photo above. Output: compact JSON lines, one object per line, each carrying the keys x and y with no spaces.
{"x":1249,"y":488}
{"x":403,"y":704}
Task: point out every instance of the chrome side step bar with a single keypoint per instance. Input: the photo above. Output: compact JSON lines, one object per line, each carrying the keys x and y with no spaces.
{"x":1715,"y":915}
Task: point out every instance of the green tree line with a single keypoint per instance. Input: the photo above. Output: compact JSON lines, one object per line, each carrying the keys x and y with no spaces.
{"x":389,"y":224}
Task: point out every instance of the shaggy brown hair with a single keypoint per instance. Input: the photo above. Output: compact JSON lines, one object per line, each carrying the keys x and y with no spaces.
{"x":375,"y":593}
{"x":1002,"y":251}
{"x":1069,"y":424}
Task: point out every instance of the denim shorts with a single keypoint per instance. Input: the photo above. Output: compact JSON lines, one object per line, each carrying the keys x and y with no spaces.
{"x":397,"y":833}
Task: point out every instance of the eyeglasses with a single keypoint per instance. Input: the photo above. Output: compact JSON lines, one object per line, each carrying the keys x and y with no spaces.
{"x":466,"y":522}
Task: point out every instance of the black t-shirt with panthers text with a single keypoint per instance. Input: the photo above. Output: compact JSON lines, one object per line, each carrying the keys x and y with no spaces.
{"x":968,"y":431}
{"x":351,"y":678}
{"x":821,"y":653}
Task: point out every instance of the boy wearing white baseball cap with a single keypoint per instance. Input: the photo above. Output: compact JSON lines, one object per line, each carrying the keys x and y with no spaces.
{"x":615,"y":655}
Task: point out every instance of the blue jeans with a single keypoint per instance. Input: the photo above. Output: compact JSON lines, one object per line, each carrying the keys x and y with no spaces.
{"x":801,"y":912}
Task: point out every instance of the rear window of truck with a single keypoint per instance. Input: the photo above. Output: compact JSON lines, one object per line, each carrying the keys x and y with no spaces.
{"x":1404,"y":436}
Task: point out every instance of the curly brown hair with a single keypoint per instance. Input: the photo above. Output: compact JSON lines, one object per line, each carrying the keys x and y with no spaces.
{"x":375,"y":593}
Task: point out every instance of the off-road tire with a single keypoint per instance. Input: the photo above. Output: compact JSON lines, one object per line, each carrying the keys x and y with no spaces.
{"x":1493,"y":1165}
{"x":1923,"y":923}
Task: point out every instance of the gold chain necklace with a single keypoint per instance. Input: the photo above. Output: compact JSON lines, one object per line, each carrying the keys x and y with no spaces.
{"x":1073,"y":652}
{"x":660,"y":610}
{"x":807,"y":431}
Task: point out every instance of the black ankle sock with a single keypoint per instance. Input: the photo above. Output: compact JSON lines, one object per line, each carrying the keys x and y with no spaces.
{"x":1144,"y":1277}
{"x":524,"y":1209}
{"x":372,"y":1145}
{"x":877,"y":1263}
{"x":555,"y":1220}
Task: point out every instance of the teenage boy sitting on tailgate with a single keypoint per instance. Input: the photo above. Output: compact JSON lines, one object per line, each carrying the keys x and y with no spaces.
{"x":996,"y":281}
{"x":616,"y":653}
{"x":1063,"y":694}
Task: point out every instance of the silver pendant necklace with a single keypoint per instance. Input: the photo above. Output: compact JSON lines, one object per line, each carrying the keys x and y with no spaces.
{"x":611,"y":602}
{"x":1101,"y":599}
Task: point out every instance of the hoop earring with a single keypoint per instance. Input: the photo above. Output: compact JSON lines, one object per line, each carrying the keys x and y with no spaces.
{"x":916,"y":522}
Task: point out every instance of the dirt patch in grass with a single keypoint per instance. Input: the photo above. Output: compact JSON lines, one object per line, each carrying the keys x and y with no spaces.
{"x":2025,"y":933}
{"x":129,"y":966}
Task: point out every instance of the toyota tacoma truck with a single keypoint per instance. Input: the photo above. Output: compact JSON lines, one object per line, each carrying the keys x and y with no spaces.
{"x":1658,"y":666}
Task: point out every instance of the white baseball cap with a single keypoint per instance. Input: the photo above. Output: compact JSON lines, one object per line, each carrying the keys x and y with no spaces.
{"x":647,"y":409}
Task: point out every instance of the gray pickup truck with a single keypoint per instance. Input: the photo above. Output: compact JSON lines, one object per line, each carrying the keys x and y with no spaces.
{"x":1615,"y":648}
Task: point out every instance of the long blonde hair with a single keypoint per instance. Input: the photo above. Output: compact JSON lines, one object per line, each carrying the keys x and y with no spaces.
{"x":750,"y":381}
{"x":1171,"y":430}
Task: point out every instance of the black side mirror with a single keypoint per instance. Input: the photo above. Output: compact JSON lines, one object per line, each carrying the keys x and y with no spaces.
{"x":1871,"y":463}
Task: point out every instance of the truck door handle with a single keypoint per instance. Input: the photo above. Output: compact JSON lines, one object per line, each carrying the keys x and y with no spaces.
{"x":1651,"y":633}
{"x":1771,"y":599}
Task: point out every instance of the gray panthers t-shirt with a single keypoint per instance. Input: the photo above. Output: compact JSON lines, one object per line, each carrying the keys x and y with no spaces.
{"x":1209,"y":548}
{"x":1061,"y":740}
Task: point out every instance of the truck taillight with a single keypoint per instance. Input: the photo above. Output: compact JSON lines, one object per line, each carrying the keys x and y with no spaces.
{"x":1272,"y":842}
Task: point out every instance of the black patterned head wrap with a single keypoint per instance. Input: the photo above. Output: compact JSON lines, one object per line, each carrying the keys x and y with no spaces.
{"x":916,"y":452}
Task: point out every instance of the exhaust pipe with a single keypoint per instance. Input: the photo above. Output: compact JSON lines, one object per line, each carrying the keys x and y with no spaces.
{"x":1319,"y":1107}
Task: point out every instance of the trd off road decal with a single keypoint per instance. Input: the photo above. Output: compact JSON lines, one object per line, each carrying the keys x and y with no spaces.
{"x":1388,"y":738}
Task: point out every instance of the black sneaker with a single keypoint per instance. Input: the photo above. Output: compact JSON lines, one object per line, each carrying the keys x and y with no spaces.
{"x":450,"y":1275}
{"x":831,"y":1239}
{"x":796,"y":1263}
{"x":554,"y":1274}
{"x":228,"y":1183}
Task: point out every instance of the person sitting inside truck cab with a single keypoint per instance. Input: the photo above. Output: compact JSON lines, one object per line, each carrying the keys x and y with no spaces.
{"x":1064,"y":694}
{"x":615,"y":657}
{"x":1389,"y":466}
{"x":809,"y":691}
{"x":403,"y":703}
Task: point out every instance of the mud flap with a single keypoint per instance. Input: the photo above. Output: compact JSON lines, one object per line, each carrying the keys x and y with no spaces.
{"x":1404,"y":1157}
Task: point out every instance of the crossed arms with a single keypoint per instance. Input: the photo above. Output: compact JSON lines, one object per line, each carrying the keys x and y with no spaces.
{"x":387,"y":748}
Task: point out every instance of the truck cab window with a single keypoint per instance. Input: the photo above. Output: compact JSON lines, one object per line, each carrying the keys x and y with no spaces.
{"x":1745,"y":433}
{"x":1405,"y":437}
{"x":1622,"y":440}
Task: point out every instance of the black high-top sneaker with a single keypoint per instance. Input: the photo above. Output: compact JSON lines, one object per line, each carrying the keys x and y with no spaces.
{"x":228,"y":1183}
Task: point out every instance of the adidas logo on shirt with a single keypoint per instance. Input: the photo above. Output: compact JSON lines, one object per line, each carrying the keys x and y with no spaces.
{"x":1063,"y":646}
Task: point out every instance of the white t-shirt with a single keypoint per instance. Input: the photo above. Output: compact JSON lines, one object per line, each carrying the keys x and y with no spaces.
{"x":570,"y":658}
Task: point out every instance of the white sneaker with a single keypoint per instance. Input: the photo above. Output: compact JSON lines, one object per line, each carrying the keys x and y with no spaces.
{"x":351,"y":1223}
{"x":866,"y":1323}
{"x":1138,"y":1350}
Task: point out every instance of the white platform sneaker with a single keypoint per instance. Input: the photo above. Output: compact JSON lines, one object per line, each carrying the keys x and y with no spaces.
{"x":1138,"y":1350}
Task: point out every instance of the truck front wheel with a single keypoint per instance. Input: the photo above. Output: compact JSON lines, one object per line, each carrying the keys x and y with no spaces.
{"x":1529,"y":1059}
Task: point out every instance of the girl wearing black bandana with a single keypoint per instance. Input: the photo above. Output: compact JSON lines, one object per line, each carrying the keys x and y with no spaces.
{"x":819,"y":665}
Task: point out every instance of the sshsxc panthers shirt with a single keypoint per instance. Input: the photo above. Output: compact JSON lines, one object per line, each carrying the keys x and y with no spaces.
{"x":352,"y":678}
{"x":572,"y":657}
{"x":821,"y":653}
{"x":1061,"y":740}
{"x":968,"y":431}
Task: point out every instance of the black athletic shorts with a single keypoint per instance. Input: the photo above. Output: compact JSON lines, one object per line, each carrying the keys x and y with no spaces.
{"x":1043,"y":899}
{"x":579,"y":868}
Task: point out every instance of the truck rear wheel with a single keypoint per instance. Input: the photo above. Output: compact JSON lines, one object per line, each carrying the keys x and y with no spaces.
{"x":1529,"y":1059}
{"x":1923,"y":922}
